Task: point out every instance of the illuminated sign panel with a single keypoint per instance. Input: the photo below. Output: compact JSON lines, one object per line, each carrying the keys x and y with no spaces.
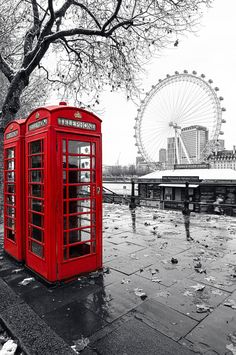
{"x":38,"y":124}
{"x":12,"y":134}
{"x":77,"y":124}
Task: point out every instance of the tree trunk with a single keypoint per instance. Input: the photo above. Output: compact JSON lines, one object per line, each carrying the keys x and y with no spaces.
{"x":9,"y":110}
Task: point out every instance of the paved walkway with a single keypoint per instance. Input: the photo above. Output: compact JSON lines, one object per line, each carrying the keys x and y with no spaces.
{"x":158,"y":293}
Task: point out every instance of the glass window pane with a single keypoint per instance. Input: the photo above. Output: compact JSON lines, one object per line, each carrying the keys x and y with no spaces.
{"x":76,"y":176}
{"x":10,"y":223}
{"x":65,"y":238}
{"x":74,"y":236}
{"x":10,"y":234}
{"x":36,"y":176}
{"x":10,"y":176}
{"x":78,"y":221}
{"x":36,"y":205}
{"x":36,"y":161}
{"x":77,"y":147}
{"x":64,"y":145}
{"x":78,"y":162}
{"x":10,"y":199}
{"x":64,"y":176}
{"x":10,"y":152}
{"x":36,"y":190}
{"x":93,"y":163}
{"x":10,"y":165}
{"x":37,"y":219}
{"x":35,"y":147}
{"x":79,"y":235}
{"x":85,"y":234}
{"x":11,"y":188}
{"x":79,"y":206}
{"x":74,"y":222}
{"x":79,"y":191}
{"x":37,"y":234}
{"x":93,"y":148}
{"x":11,"y":211}
{"x":37,"y":248}
{"x":79,"y":250}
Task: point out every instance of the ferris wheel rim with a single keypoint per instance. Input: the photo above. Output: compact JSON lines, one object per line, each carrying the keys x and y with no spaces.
{"x":184,"y":77}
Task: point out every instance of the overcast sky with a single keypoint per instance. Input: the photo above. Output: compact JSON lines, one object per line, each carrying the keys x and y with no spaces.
{"x":211,"y":51}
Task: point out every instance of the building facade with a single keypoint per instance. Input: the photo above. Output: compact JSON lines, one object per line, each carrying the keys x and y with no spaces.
{"x":225,"y":159}
{"x":194,"y":138}
{"x":166,"y":189}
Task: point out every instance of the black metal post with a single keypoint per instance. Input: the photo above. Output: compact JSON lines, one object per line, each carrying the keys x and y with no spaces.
{"x":132,"y":204}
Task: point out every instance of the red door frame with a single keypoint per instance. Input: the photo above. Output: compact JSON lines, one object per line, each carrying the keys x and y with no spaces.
{"x":42,"y":265}
{"x":15,"y":248}
{"x":92,"y":261}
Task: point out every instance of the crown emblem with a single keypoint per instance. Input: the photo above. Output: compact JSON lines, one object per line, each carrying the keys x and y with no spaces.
{"x":77,"y":115}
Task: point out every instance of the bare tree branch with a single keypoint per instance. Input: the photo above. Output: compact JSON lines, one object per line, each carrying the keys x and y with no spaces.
{"x":6,"y":69}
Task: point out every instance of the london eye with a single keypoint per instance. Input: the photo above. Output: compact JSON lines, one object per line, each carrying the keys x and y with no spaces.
{"x":179,"y":121}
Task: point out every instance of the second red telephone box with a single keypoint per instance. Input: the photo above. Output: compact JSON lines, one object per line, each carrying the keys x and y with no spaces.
{"x":63,"y":192}
{"x":14,"y":200}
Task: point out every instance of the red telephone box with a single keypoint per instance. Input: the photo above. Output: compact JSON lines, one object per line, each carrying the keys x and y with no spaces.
{"x":63,"y":192}
{"x":14,"y":201}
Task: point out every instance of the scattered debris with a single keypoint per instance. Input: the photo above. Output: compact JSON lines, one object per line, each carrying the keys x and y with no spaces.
{"x":188,"y":293}
{"x":217,"y":292}
{"x":27,"y":281}
{"x":147,"y":224}
{"x":155,"y":279}
{"x":164,"y":294}
{"x":139,"y":292}
{"x":174,"y":260}
{"x":202,"y":308}
{"x":125,"y":281}
{"x":210,"y":278}
{"x":9,"y":348}
{"x":80,"y":345}
{"x":198,"y":287}
{"x":16,"y":271}
{"x":134,"y":256}
{"x":231,"y":347}
{"x":230,"y":303}
{"x":163,"y":245}
{"x":106,"y":270}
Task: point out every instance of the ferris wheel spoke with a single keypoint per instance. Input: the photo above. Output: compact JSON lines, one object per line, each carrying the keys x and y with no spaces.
{"x":197,"y":106}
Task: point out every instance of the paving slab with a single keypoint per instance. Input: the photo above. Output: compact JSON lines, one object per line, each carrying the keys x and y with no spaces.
{"x":74,"y":321}
{"x":215,"y":332}
{"x":129,"y":264}
{"x":183,"y":297}
{"x":164,"y":319}
{"x":136,"y":337}
{"x":167,"y":273}
{"x":118,"y":299}
{"x":220,"y":275}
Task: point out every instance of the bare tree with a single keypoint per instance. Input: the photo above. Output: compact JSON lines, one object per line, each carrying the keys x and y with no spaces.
{"x":82,"y":46}
{"x":33,"y":96}
{"x":90,"y":44}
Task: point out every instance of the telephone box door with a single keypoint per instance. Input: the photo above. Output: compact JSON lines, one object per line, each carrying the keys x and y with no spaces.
{"x":79,"y":204}
{"x":36,"y":175}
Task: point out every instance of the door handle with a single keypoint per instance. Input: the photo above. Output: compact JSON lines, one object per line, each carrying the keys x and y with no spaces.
{"x":98,"y":190}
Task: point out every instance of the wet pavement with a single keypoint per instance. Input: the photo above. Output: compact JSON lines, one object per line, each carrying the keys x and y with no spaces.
{"x":157,"y":293}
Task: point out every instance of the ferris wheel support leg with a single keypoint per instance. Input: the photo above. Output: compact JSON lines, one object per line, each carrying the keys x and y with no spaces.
{"x":177,"y":148}
{"x":185,"y":150}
